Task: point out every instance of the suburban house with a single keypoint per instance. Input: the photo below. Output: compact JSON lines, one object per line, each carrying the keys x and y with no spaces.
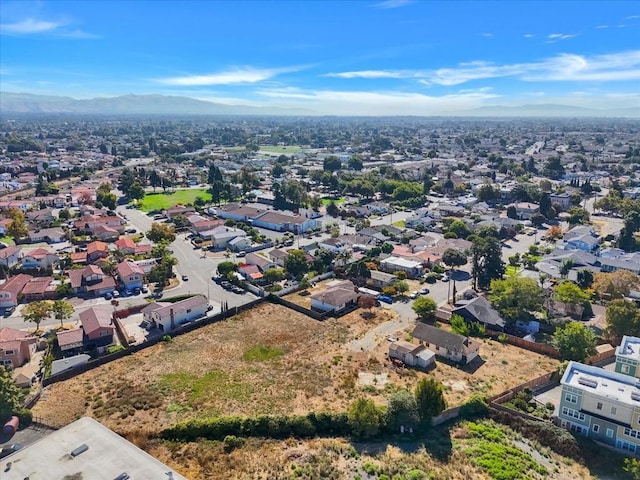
{"x":49,"y":235}
{"x":379,"y":279}
{"x":198,"y":223}
{"x":16,"y":347}
{"x":97,"y":251}
{"x":40,"y":288}
{"x":261,"y":262}
{"x":339,"y":296}
{"x":221,"y":236}
{"x":602,"y":405}
{"x":105,"y":233}
{"x":451,"y":346}
{"x":333,"y":244}
{"x":10,"y":256}
{"x":251,"y":273}
{"x":10,"y":290}
{"x":480,"y":310}
{"x":130,"y":274}
{"x":167,"y":316}
{"x":412,"y":268}
{"x":239,"y":244}
{"x":626,"y":261}
{"x":70,"y":341}
{"x":239,"y":212}
{"x":98,"y":327}
{"x":91,"y":281}
{"x":278,"y":256}
{"x":128,"y":247}
{"x":581,"y":238}
{"x":285,"y":222}
{"x":628,"y":356}
{"x":42,"y":218}
{"x":562,"y":199}
{"x":39,"y":258}
{"x":89,"y":223}
{"x":173,"y":212}
{"x":524,"y":210}
{"x":412,"y":355}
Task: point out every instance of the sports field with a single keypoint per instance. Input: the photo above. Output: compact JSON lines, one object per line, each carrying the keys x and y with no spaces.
{"x":162,"y":201}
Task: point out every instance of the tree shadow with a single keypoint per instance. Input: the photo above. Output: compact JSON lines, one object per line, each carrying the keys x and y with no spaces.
{"x":436,"y":441}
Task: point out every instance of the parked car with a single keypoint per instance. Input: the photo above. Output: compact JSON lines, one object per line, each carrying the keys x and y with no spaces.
{"x":130,"y":230}
{"x":144,"y":289}
{"x":108,"y":296}
{"x":185,"y":278}
{"x":237,"y":290}
{"x":115,"y":294}
{"x":413,"y":295}
{"x":9,"y":310}
{"x":424,"y":291}
{"x":9,"y":449}
{"x":385,"y":299}
{"x":226,"y":285}
{"x":241,"y":254}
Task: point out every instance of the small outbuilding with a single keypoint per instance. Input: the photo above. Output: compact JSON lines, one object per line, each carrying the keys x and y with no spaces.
{"x":412,"y":355}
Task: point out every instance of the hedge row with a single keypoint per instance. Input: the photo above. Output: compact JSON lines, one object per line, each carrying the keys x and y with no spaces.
{"x":301,"y":426}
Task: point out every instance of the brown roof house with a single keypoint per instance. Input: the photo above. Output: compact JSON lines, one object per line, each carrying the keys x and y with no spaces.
{"x":39,"y":258}
{"x":40,"y":288}
{"x":10,"y":290}
{"x":91,"y":281}
{"x":16,"y":347}
{"x":96,"y":251}
{"x":98,"y":327}
{"x":71,"y":341}
{"x":130,"y":274}
{"x":446,"y":344}
{"x":337,"y":297}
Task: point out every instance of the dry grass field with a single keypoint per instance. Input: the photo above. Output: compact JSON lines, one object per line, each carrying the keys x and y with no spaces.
{"x":267,"y":360}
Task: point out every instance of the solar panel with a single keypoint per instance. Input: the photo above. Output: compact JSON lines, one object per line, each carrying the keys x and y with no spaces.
{"x":588,"y":382}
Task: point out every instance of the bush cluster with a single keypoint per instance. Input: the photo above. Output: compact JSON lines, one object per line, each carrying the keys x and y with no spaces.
{"x":301,"y":426}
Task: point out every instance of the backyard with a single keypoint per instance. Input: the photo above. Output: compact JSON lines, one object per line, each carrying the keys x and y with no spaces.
{"x":161,"y":200}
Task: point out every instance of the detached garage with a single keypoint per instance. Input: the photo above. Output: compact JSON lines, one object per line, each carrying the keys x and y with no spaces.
{"x":412,"y":355}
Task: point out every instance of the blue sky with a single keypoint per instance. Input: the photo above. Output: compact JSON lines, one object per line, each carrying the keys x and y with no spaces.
{"x":354,"y":57}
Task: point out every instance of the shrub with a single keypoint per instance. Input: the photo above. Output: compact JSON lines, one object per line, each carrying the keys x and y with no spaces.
{"x":25,"y":416}
{"x":165,"y":338}
{"x":114,"y":348}
{"x":231,"y":442}
{"x":476,"y":406}
{"x":502,"y":338}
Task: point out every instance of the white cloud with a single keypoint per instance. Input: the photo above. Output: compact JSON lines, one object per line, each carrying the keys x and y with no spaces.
{"x":375,"y":103}
{"x":77,"y":33}
{"x":29,"y":26}
{"x":528,"y":35}
{"x":388,"y":4}
{"x":229,"y":77}
{"x":487,"y":35}
{"x":632,"y":17}
{"x":600,"y":27}
{"x":554,"y":37}
{"x":619,"y":66}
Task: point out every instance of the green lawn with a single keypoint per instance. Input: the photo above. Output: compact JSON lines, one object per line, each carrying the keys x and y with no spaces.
{"x":7,"y":240}
{"x":512,"y":271}
{"x":327,"y":201}
{"x":285,"y":150}
{"x":162,"y":201}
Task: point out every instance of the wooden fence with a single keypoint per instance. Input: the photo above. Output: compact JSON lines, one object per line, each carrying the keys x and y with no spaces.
{"x":298,"y":308}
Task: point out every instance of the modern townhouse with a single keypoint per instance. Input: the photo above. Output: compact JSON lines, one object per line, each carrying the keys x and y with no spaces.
{"x":602,"y":405}
{"x":628,"y":356}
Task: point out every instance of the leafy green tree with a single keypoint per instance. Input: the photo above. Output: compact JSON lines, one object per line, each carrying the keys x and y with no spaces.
{"x":575,"y":341}
{"x":17,"y":228}
{"x":322,"y":260}
{"x":225,"y":268}
{"x":295,"y":263}
{"x":402,"y":411}
{"x":430,"y":400}
{"x":617,"y":284}
{"x":454,"y":257}
{"x":163,"y":270}
{"x":553,"y":168}
{"x":460,"y":228}
{"x":180,"y":222}
{"x":358,"y":271}
{"x":623,"y":318}
{"x":516,"y":297}
{"x":386,"y":247}
{"x":161,"y":232}
{"x":136,"y":191}
{"x":331,"y":164}
{"x":401,"y":286}
{"x":36,"y":312}
{"x":512,"y":212}
{"x":272,"y":275}
{"x":584,"y":278}
{"x":64,"y":214}
{"x":61,"y":310}
{"x":355,"y":163}
{"x":332,"y":209}
{"x":10,"y":394}
{"x":569,"y":292}
{"x":425,"y":308}
{"x":632,"y":466}
{"x":365,"y":418}
{"x":578,"y":216}
{"x":459,"y":325}
{"x":486,"y":257}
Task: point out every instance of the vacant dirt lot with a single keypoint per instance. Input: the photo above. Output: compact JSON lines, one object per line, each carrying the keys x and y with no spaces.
{"x":267,"y":360}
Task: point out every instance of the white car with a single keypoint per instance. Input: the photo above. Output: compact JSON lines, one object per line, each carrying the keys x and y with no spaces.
{"x":413,"y":295}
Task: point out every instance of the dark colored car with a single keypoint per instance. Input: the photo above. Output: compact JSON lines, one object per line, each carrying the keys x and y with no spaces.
{"x":9,"y":449}
{"x":385,"y":299}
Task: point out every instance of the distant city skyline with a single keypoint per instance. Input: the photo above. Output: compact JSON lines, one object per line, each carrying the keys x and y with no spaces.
{"x":391,"y":57}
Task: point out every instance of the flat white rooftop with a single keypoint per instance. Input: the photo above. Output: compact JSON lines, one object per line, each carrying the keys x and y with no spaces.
{"x":604,"y":383}
{"x":107,"y":456}
{"x":629,"y":348}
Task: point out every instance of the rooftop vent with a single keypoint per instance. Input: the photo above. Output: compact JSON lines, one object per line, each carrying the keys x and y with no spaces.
{"x":81,"y":449}
{"x":588,"y":382}
{"x":635,"y":396}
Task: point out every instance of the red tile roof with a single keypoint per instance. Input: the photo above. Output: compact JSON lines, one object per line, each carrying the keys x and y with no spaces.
{"x":70,"y":337}
{"x":95,"y":319}
{"x":15,"y":284}
{"x":97,"y":246}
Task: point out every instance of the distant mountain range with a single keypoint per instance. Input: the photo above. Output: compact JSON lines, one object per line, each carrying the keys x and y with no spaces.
{"x":176,"y":105}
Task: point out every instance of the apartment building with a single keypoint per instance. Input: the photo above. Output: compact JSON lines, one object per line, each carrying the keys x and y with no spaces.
{"x":602,"y":405}
{"x":628,"y":356}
